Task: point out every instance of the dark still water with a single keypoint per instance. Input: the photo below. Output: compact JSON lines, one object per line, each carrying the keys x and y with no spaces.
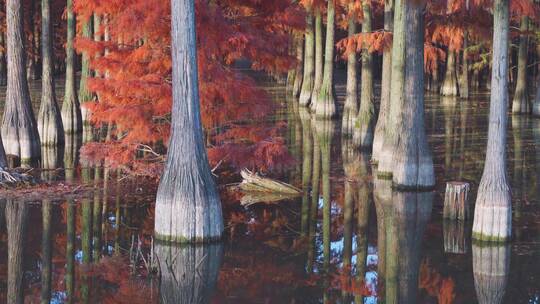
{"x":348,"y":239}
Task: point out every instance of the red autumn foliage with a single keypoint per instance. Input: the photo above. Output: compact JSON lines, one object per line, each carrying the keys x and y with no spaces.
{"x":136,"y":94}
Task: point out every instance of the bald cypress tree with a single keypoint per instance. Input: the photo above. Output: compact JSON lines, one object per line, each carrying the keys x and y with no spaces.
{"x":188,"y":208}
{"x":19,"y":128}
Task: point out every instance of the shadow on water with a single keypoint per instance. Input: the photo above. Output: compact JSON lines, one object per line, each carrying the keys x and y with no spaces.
{"x":348,"y":239}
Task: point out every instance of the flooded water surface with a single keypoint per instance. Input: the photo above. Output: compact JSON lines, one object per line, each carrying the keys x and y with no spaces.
{"x":348,"y":239}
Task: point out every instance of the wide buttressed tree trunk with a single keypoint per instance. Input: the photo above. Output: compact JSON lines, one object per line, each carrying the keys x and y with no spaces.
{"x":319,"y":58}
{"x":520,"y":103}
{"x":188,"y":208}
{"x":380,"y":128}
{"x":16,"y":214}
{"x":309,"y":61}
{"x":450,"y":83}
{"x":365,"y":122}
{"x":491,"y":268}
{"x":493,"y":211}
{"x":51,"y":130}
{"x":19,"y":128}
{"x":85,"y":96}
{"x":325,"y":106}
{"x":71,"y":109}
{"x":406,"y":155}
{"x":350,"y":108}
{"x":189,"y":273}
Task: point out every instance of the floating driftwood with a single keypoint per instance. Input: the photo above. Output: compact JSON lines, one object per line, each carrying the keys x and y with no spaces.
{"x":14,"y":179}
{"x":258,"y":189}
{"x":255,"y":183}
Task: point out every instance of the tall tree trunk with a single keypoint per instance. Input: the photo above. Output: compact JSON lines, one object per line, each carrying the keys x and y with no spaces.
{"x":50,"y":126}
{"x":32,"y":60}
{"x":299,"y":70}
{"x":365,"y":122}
{"x":71,"y":109}
{"x":188,"y":274}
{"x":319,"y":58}
{"x":450,"y":84}
{"x":325,"y":106}
{"x":188,"y":208}
{"x":350,"y":164}
{"x":464,"y":88}
{"x":309,"y":61}
{"x":491,"y":267}
{"x":16,"y":214}
{"x":85,"y":96}
{"x":350,"y":108}
{"x":314,"y":208}
{"x":406,"y":155}
{"x":520,"y":103}
{"x":362,"y":221}
{"x":382,"y":121}
{"x":19,"y":128}
{"x":493,"y":210}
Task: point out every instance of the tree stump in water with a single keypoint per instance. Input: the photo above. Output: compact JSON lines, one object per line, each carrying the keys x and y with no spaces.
{"x":456,"y":205}
{"x":454,"y":237}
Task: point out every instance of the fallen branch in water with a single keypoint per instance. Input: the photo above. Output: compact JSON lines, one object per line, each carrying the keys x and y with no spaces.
{"x":15,"y":179}
{"x":254,"y":182}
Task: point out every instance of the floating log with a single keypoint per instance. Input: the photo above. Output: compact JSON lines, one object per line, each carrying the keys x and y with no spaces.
{"x":251,"y":198}
{"x":255,"y":183}
{"x":455,"y":240}
{"x":456,"y":204}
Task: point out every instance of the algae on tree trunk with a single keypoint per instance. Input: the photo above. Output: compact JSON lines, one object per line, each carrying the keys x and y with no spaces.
{"x":188,"y":208}
{"x":350,"y":108}
{"x":309,"y":61}
{"x":325,"y":106}
{"x":71,"y":108}
{"x":382,"y":120}
{"x":493,"y":210}
{"x":450,"y":83}
{"x":19,"y":128}
{"x":365,"y":121}
{"x":50,"y":126}
{"x":520,"y":103}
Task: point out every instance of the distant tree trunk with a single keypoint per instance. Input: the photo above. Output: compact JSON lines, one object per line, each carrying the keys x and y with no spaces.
{"x":299,"y":70}
{"x":188,"y":208}
{"x":493,"y":210}
{"x":365,"y":122}
{"x":3,"y":63}
{"x":314,"y":209}
{"x":380,"y":128}
{"x":350,"y":108}
{"x":326,"y":104}
{"x":71,"y":109}
{"x":319,"y":59}
{"x":350,"y":164}
{"x":435,"y":83}
{"x":464,"y":88}
{"x":50,"y":126}
{"x":19,"y":128}
{"x":491,"y":268}
{"x":85,"y":96}
{"x":520,"y":103}
{"x":16,"y":214}
{"x":450,"y":84}
{"x":382,"y":197}
{"x":188,"y":274}
{"x":46,"y":252}
{"x":365,"y":202}
{"x":309,"y":61}
{"x":31,"y":63}
{"x":406,"y":155}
